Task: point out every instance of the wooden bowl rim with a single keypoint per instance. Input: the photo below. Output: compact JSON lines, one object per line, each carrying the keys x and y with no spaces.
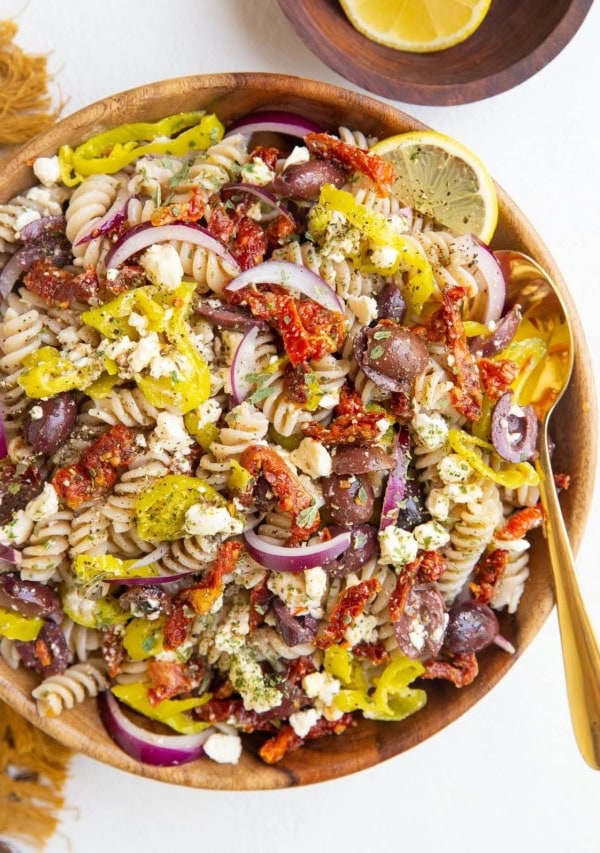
{"x":391,"y":85}
{"x":369,"y":743}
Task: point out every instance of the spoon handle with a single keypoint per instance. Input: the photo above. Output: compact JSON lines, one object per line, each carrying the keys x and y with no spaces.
{"x":581,"y":655}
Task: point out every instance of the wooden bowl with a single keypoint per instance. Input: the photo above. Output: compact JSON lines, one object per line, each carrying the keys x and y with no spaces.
{"x":232,"y":95}
{"x":514,"y":42}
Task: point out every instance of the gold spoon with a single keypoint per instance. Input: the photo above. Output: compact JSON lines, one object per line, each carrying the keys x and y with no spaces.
{"x":528,"y":285}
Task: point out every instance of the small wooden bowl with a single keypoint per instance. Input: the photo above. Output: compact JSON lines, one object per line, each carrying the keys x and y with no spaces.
{"x":230,"y":96}
{"x":514,"y":42}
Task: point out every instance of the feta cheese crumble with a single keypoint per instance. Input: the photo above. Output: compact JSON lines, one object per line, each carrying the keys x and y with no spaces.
{"x":303,"y":721}
{"x":312,"y":458}
{"x":224,"y":749}
{"x":163,"y":266}
{"x":397,"y":546}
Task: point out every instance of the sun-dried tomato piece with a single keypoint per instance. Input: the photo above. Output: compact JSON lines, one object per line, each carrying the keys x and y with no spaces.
{"x":232,"y":711}
{"x":115,"y":447}
{"x":126,"y":278}
{"x":460,"y":669}
{"x":487,"y":574}
{"x":400,"y":406}
{"x":350,"y":604}
{"x":201,"y":597}
{"x":260,"y":598}
{"x":497,"y":376}
{"x":404,"y":584}
{"x":354,"y":159}
{"x":286,"y":740}
{"x":169,"y":679}
{"x":432,"y":566}
{"x":112,"y":648}
{"x":290,"y":494}
{"x":360,"y":429}
{"x":249,"y":244}
{"x":562,"y":481}
{"x":268,"y":155}
{"x":521,"y":522}
{"x":59,"y":286}
{"x":298,"y":668}
{"x":187,"y":211}
{"x":178,"y":625}
{"x":294,"y":382}
{"x":278,"y":231}
{"x":375,"y":652}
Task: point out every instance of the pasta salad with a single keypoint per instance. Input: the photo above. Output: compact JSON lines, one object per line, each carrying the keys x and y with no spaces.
{"x":269,"y":464}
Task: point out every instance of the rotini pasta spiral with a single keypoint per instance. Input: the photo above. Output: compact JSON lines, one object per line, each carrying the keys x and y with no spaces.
{"x":77,"y":683}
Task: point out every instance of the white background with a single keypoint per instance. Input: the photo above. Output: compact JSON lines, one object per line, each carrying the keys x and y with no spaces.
{"x":507,"y":776}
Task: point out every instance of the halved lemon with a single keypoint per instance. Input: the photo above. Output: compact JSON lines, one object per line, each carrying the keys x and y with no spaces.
{"x":420,"y":26}
{"x":441,"y":178}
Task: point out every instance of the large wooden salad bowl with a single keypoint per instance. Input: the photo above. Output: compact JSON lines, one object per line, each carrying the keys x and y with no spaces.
{"x":230,"y":96}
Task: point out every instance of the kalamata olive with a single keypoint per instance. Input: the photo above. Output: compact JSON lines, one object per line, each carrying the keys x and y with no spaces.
{"x":17,"y":488}
{"x":361,"y":460}
{"x":49,"y":423}
{"x":230,"y":317}
{"x":363,"y":545}
{"x":390,"y":303}
{"x":514,"y":430}
{"x":501,"y":336}
{"x":54,"y":658}
{"x":412,"y":509}
{"x":420,"y":629}
{"x":304,"y":180}
{"x":472,"y":626}
{"x":390,"y":355}
{"x":349,"y":499}
{"x":294,"y":629}
{"x":146,"y":602}
{"x":29,"y":598}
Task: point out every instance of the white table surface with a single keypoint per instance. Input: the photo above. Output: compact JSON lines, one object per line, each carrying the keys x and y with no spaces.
{"x":508,"y":774}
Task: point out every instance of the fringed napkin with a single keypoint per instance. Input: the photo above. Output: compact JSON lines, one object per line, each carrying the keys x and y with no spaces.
{"x":33,"y":767}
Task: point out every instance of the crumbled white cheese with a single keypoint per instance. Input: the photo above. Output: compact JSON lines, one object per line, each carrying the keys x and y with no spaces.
{"x":454,"y":469}
{"x":250,"y":682}
{"x":230,"y":634}
{"x":322,"y":686}
{"x":120,"y":349}
{"x":431,"y":431}
{"x":438,"y":504}
{"x":316,"y":587}
{"x":463,"y":493}
{"x":147,"y":349}
{"x":364,"y":308}
{"x":138,"y":322}
{"x":36,"y":413}
{"x":17,"y":530}
{"x":47,"y":170}
{"x":300,"y":154}
{"x":384,"y":257}
{"x":163,"y":365}
{"x":312,"y":458}
{"x":398,"y":223}
{"x":362,"y":629}
{"x":44,"y":506}
{"x":328,"y":401}
{"x":303,"y":721}
{"x":68,"y":337}
{"x":170,"y":434}
{"x":257,"y":173}
{"x":163,"y":266}
{"x":224,"y":749}
{"x":397,"y":546}
{"x":431,"y":535}
{"x":205,"y":520}
{"x":291,"y":589}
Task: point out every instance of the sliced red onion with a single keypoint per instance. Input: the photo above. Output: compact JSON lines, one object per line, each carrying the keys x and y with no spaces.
{"x":492,"y":287}
{"x":149,"y":747}
{"x":243,"y":364}
{"x":114,"y":217}
{"x":283,"y":559}
{"x":12,"y":270}
{"x":230,"y":317}
{"x":264,"y":196}
{"x":504,"y":644}
{"x":291,"y":277}
{"x":149,"y":579}
{"x":9,"y":555}
{"x":396,"y":484}
{"x":141,"y":236}
{"x":274,"y":121}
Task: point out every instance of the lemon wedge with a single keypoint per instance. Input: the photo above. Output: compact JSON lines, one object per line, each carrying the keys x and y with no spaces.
{"x":419,"y":26}
{"x":441,"y":178}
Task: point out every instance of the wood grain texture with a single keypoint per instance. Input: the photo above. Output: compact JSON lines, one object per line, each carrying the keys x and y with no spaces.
{"x":514,"y":42}
{"x":232,"y":95}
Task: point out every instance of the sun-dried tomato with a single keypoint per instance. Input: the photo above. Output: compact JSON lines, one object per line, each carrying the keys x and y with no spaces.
{"x":460,"y":669}
{"x":178,"y":625}
{"x":201,"y":597}
{"x":348,"y":607}
{"x":232,"y":711}
{"x":286,"y":740}
{"x":260,"y":598}
{"x":218,"y":220}
{"x":186,"y":211}
{"x":562,"y":481}
{"x":279,"y":230}
{"x":404,"y":584}
{"x":290,"y":494}
{"x":42,"y":652}
{"x":268,"y":155}
{"x":358,"y":427}
{"x":352,"y":158}
{"x":112,"y":649}
{"x":432,"y":566}
{"x":294,"y":382}
{"x":168,"y":678}
{"x":375,"y":652}
{"x":298,"y":668}
{"x":94,"y":475}
{"x":249,"y":244}
{"x":400,"y":406}
{"x":58,"y":286}
{"x":126,"y":278}
{"x":497,"y":376}
{"x":487,"y":574}
{"x":521,"y":522}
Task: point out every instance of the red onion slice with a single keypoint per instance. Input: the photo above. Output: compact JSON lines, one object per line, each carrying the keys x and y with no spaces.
{"x":274,"y":121}
{"x":141,"y":236}
{"x":264,"y":196}
{"x":396,"y":484}
{"x":492,"y":287}
{"x":149,"y":747}
{"x":242,"y":365}
{"x":9,"y":555}
{"x":504,"y":644}
{"x":292,"y":277}
{"x":283,"y":559}
{"x":115,"y":216}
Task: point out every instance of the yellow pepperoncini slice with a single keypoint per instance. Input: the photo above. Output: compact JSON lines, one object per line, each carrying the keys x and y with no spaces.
{"x":160,"y":509}
{"x":239,"y":478}
{"x":388,"y":697}
{"x":474,"y":329}
{"x":88,"y":569}
{"x":14,"y":626}
{"x":48,"y":373}
{"x":170,"y":712}
{"x":512,"y":475}
{"x":100,"y":613}
{"x":102,"y":387}
{"x":288,"y":442}
{"x":144,"y":638}
{"x":204,"y":434}
{"x":374,"y":227}
{"x":112,"y":150}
